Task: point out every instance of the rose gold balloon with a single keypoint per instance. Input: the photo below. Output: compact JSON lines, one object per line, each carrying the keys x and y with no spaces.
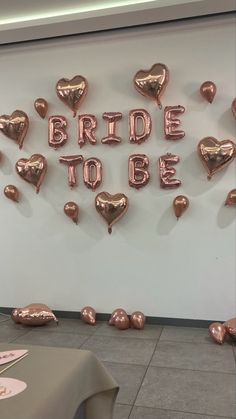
{"x":142,"y":116}
{"x":111,"y":207}
{"x":11,"y":192}
{"x":15,"y":126}
{"x":87,"y":125}
{"x":115,"y":313}
{"x":137,"y":320}
{"x":233,"y":108}
{"x":41,"y":107}
{"x":180,"y":204}
{"x":92,"y":173}
{"x":208,"y":90}
{"x":32,"y":170}
{"x":139,"y":176}
{"x":166,"y":171}
{"x":72,"y":92}
{"x":171,"y":122}
{"x":57,"y":135}
{"x":231,"y":198}
{"x":71,"y":209}
{"x":152,"y":83}
{"x":33,"y":315}
{"x":112,"y":118}
{"x":71,"y":162}
{"x":88,"y":315}
{"x":217,"y":331}
{"x":121,"y":321}
{"x":216,"y":155}
{"x":230,"y":326}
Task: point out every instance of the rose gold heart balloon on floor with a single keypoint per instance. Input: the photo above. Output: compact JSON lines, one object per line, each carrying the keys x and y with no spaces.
{"x":233,"y":108}
{"x":115,"y":313}
{"x":217,"y":331}
{"x":32,"y":170}
{"x":230,"y":326}
{"x":208,"y":90}
{"x":180,"y":204}
{"x":88,"y":315}
{"x":111,"y":207}
{"x":72,"y":92}
{"x":231,"y":198}
{"x":121,"y":322}
{"x":11,"y":192}
{"x":137,"y":320}
{"x":216,"y":155}
{"x":71,"y":209}
{"x":15,"y":126}
{"x":33,"y":315}
{"x":41,"y":107}
{"x":152,"y":83}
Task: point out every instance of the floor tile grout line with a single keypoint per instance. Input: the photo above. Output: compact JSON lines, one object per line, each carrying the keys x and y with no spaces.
{"x":145,"y":373}
{"x":184,"y":411}
{"x":228,"y":344}
{"x":190,"y":369}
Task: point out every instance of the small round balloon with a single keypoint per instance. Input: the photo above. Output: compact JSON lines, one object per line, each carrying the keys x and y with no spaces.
{"x":41,"y":107}
{"x":217,"y":331}
{"x":231,"y":198}
{"x":121,"y":322}
{"x":88,"y":315}
{"x":208,"y":90}
{"x":180,"y":204}
{"x":11,"y":192}
{"x":71,"y":209}
{"x":137,"y":320}
{"x":230,"y":326}
{"x":115,"y":313}
{"x":233,"y":108}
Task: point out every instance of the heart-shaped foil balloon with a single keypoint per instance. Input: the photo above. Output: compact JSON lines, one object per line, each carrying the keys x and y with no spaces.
{"x":216,"y":155}
{"x":152,"y":83}
{"x":72,"y":92}
{"x":15,"y":126}
{"x":230,"y":326}
{"x":111,"y":207}
{"x":32,"y":170}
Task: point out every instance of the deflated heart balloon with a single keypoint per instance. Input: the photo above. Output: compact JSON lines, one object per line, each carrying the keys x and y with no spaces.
{"x":180,"y":204}
{"x":72,"y":92}
{"x":32,"y":170}
{"x":11,"y":192}
{"x":111,"y":207}
{"x":71,"y":209}
{"x":41,"y":107}
{"x":216,"y":155}
{"x":137,"y":320}
{"x":208,"y":90}
{"x":230,"y":326}
{"x":115,"y":313}
{"x":152,"y":83}
{"x":217,"y":331}
{"x":33,"y":315}
{"x":15,"y":126}
{"x":88,"y":315}
{"x":231,"y":198}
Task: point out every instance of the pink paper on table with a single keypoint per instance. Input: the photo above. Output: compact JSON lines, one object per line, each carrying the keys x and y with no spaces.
{"x":10,"y":356}
{"x":9,"y":387}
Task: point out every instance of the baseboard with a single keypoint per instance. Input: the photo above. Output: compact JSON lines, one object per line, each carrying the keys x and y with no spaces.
{"x":163,"y":321}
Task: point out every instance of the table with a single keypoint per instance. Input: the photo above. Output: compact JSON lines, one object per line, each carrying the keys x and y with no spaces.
{"x":59,"y":380}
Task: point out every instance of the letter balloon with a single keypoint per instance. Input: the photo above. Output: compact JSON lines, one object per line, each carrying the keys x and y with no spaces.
{"x":92,"y":173}
{"x":138,"y":174}
{"x":166,"y":171}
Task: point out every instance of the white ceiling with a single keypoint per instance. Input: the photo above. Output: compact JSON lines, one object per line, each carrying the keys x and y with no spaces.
{"x":22,"y":20}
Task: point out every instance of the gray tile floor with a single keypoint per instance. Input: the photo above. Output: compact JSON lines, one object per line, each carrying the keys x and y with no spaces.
{"x":163,"y":372}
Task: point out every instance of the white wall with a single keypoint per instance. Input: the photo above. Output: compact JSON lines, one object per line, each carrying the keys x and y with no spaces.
{"x":183,"y":269}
